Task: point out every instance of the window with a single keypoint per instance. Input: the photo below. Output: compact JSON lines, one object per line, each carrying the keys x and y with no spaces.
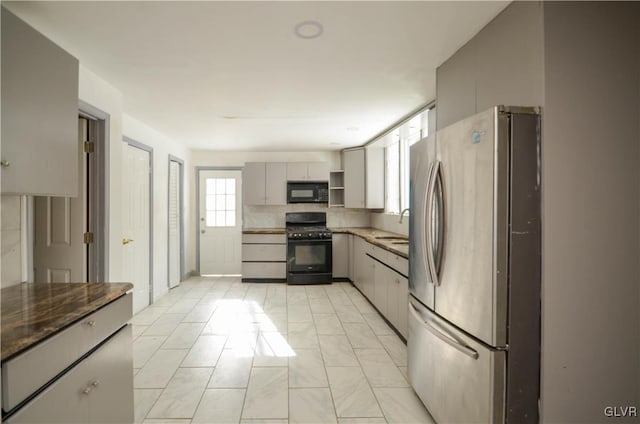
{"x":397,"y":162}
{"x":221,"y":202}
{"x":392,"y":172}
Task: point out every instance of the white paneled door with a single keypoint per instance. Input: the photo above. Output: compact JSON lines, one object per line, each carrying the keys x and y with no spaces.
{"x":136,"y":225}
{"x":220,"y":226}
{"x":175,"y":217}
{"x":60,"y":254}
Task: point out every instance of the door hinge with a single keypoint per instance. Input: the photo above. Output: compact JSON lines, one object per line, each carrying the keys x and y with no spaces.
{"x":89,"y":147}
{"x":88,"y":238}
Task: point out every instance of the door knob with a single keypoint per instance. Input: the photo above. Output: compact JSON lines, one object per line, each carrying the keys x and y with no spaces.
{"x":126,"y":240}
{"x":5,"y":163}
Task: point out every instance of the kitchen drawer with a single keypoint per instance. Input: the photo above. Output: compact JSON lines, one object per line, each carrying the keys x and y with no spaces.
{"x":264,"y":252}
{"x":264,"y":270}
{"x":264,"y":239}
{"x":32,"y":369}
{"x":398,"y":263}
{"x":99,"y":389}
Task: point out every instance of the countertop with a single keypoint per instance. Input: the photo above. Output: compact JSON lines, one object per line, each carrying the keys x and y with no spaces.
{"x":367,"y":233}
{"x":32,"y":312}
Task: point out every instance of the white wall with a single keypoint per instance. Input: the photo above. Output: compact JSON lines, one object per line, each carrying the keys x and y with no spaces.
{"x":100,"y":94}
{"x":390,"y":222}
{"x":162,"y":148}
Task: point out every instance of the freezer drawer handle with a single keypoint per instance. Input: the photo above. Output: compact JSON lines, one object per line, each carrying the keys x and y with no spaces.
{"x":445,"y":338}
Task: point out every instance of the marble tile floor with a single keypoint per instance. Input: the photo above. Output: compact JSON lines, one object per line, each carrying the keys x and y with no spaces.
{"x":216,"y":350}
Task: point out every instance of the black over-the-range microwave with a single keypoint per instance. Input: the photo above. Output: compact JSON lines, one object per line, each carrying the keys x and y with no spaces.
{"x":307,"y":192}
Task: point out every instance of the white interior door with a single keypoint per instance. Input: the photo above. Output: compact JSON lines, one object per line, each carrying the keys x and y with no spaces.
{"x":60,"y":254}
{"x":175,"y":217}
{"x":220,"y":222}
{"x":136,"y":246}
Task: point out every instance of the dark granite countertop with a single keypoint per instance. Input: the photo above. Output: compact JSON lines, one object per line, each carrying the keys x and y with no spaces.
{"x":32,"y":312}
{"x":263,"y":231}
{"x":371,"y":234}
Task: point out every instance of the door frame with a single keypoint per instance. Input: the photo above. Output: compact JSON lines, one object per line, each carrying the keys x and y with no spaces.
{"x":197,"y":226}
{"x":180,"y":163}
{"x":133,"y":143}
{"x":98,"y":252}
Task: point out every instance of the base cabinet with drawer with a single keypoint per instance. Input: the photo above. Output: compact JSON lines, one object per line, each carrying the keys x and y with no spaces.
{"x":264,"y":257}
{"x":82,"y":374}
{"x":97,"y":390}
{"x":382,"y":277}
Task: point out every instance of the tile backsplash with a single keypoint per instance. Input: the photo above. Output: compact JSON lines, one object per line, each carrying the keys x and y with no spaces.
{"x":274,"y":216}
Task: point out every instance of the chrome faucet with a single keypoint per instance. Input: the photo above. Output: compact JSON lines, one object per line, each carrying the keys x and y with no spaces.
{"x":402,"y":214}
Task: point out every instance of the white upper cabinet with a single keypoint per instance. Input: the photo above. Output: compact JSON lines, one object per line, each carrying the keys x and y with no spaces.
{"x":308,"y":171}
{"x":354,"y":174}
{"x":364,"y":178}
{"x":265,"y":183}
{"x":39,"y":113}
{"x":253,"y":183}
{"x":318,"y":171}
{"x":276,"y":183}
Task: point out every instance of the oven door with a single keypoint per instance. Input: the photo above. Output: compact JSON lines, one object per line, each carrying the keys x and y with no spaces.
{"x":309,"y":256}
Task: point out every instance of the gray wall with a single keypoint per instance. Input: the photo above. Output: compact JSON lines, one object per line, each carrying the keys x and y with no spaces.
{"x":581,"y":62}
{"x":591,"y":210}
{"x":502,"y":64}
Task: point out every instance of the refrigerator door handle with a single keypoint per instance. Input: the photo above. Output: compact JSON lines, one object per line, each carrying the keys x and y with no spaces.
{"x":448,"y":339}
{"x":426,"y":226}
{"x":439,"y":192}
{"x":431,"y":192}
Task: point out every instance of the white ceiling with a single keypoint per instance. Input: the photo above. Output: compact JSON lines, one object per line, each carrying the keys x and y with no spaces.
{"x":233,"y":75}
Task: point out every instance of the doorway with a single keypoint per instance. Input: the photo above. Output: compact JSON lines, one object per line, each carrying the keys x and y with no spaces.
{"x":137,"y":238}
{"x":69,"y":233}
{"x":219,"y":217}
{"x":175,"y":258}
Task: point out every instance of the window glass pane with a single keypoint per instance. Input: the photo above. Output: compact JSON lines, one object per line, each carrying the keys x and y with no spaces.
{"x":210,"y":203}
{"x":220,"y":202}
{"x":231,"y":202}
{"x":211,"y":185}
{"x":211,"y":219}
{"x":393,"y":178}
{"x":231,"y":185}
{"x":220,"y":185}
{"x":231,"y":218}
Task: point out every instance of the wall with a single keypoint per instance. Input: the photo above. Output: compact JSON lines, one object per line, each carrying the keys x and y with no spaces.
{"x":254,"y":215}
{"x":98,"y":93}
{"x":591,"y":180}
{"x":162,"y":148}
{"x":390,"y":222}
{"x":580,"y":61}
{"x":502,"y":64}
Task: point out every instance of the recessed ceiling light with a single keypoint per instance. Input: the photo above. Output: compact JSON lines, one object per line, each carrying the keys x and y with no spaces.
{"x":308,"y":30}
{"x":353,"y":129}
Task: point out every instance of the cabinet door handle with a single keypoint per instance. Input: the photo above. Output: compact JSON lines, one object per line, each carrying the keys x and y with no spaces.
{"x":86,"y":390}
{"x":95,"y":383}
{"x":91,"y":323}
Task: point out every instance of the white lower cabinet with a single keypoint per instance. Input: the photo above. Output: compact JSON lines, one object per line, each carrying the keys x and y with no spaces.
{"x":340,"y":255}
{"x":99,"y":389}
{"x":264,"y":257}
{"x":381,"y":277}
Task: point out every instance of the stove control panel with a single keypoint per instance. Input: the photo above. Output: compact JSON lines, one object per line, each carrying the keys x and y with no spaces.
{"x":315,"y":235}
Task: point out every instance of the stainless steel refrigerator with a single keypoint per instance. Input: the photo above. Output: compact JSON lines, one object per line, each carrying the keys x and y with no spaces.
{"x":474,"y":269}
